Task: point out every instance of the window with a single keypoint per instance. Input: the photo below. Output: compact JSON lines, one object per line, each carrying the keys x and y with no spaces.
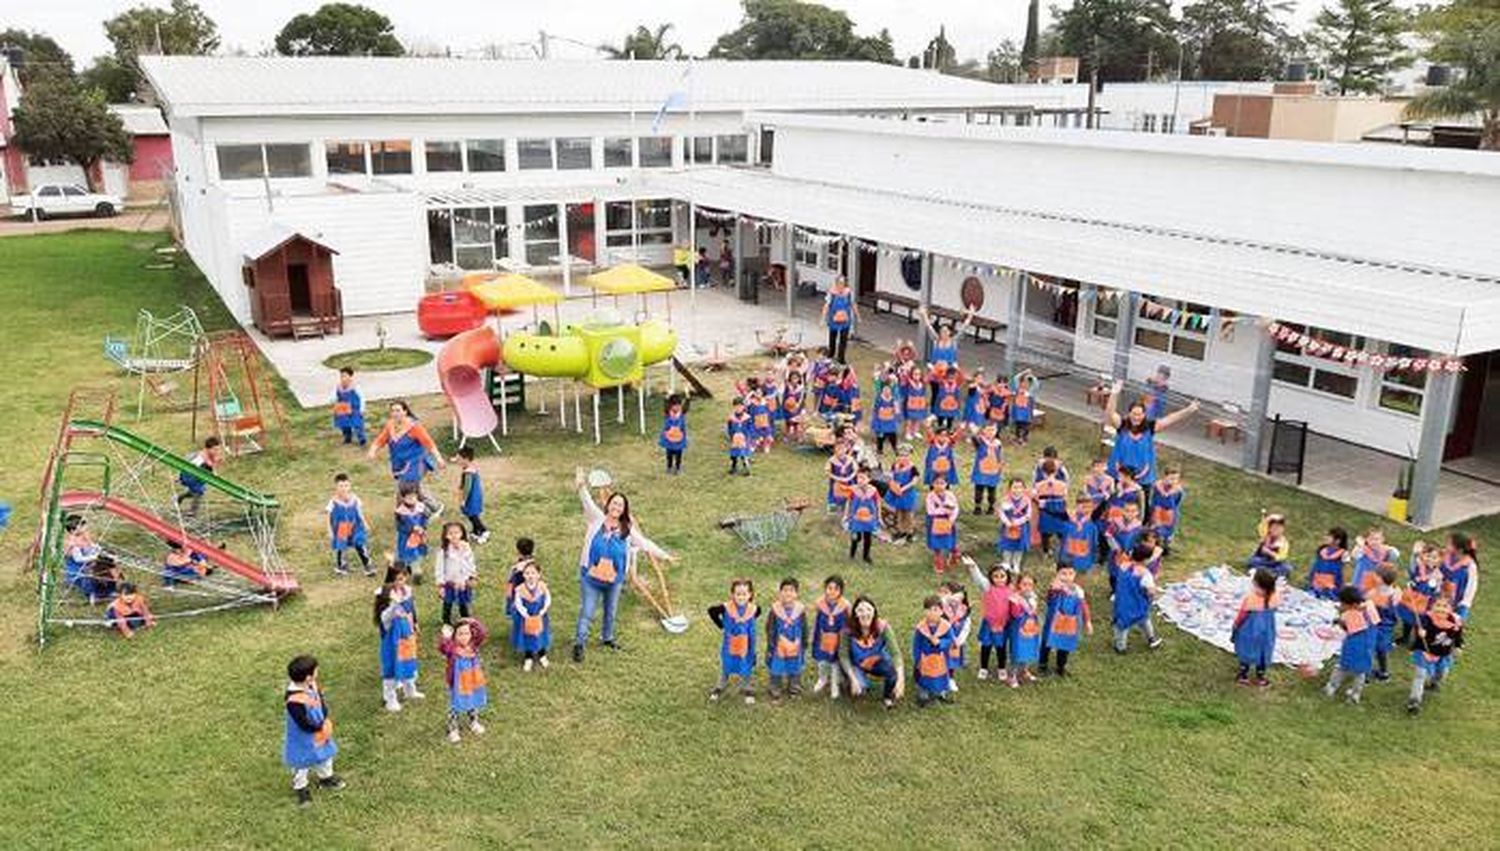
{"x":439,"y":237}
{"x":805,"y":251}
{"x":1168,"y":123}
{"x":470,"y":237}
{"x":702,"y":150}
{"x":1148,"y":123}
{"x":655,"y":151}
{"x":575,"y":152}
{"x":534,"y":154}
{"x":444,"y":156}
{"x":346,"y":158}
{"x":541,"y":234}
{"x":240,"y":162}
{"x":1402,"y":391}
{"x":289,"y":160}
{"x":628,"y":223}
{"x":1106,"y":322}
{"x":50,"y":192}
{"x":1173,"y":333}
{"x":617,"y":152}
{"x":393,"y":157}
{"x":734,"y":149}
{"x":74,"y":191}
{"x":1324,"y":375}
{"x":833,"y":259}
{"x":486,"y":154}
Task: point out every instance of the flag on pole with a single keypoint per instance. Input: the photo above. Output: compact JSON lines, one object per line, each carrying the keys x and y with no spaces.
{"x":677,"y":100}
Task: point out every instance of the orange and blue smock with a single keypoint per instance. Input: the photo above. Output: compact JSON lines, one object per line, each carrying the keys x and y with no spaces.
{"x":1022,"y":402}
{"x":531,"y":627}
{"x":863,"y":510}
{"x":1271,"y":554}
{"x":939,"y":463}
{"x":830,"y":622}
{"x":79,"y":555}
{"x":398,"y":646}
{"x":942,"y":522}
{"x":998,"y":404}
{"x":945,"y":355}
{"x":947,"y":400}
{"x":1077,"y":542}
{"x":1015,"y":525}
{"x":1326,"y":576}
{"x":1166,"y":510}
{"x":1051,"y":503}
{"x":411,"y":533}
{"x":737,"y":651}
{"x":1025,"y":638}
{"x":348,"y":409}
{"x":409,"y":451}
{"x":740,"y":433}
{"x":901,"y":492}
{"x":1458,"y":583}
{"x":913,"y":398}
{"x":841,"y":470}
{"x":127,"y":610}
{"x":840,"y":310}
{"x":1357,"y":653}
{"x":1123,"y":495}
{"x":792,"y":400}
{"x":1067,"y":611}
{"x":1422,"y":587}
{"x":472,"y":488}
{"x":673,"y":433}
{"x":929,"y":653}
{"x":467,"y":687}
{"x":183,"y":566}
{"x":1254,"y":632}
{"x":993,"y":625}
{"x":869,"y":656}
{"x":608,"y":553}
{"x":1122,"y":538}
{"x":849,"y":398}
{"x":787,"y":654}
{"x":958,"y":617}
{"x":1136,"y":450}
{"x":301,"y":748}
{"x":1367,"y":562}
{"x":761,"y":424}
{"x":976,"y":407}
{"x":1099,"y":488}
{"x":346,"y":524}
{"x":1386,"y":598}
{"x":886,"y":415}
{"x":988,"y":462}
{"x":1132,"y":600}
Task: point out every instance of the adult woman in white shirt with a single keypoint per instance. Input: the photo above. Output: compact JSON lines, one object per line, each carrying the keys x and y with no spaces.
{"x":607,"y":561}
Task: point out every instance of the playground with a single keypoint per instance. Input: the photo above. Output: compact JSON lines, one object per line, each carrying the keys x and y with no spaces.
{"x":173,"y":738}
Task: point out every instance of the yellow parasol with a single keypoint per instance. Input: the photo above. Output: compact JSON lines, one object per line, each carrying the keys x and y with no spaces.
{"x":631,"y":279}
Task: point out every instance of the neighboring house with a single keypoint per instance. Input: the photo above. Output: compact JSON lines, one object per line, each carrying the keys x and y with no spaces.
{"x":1297,"y":110}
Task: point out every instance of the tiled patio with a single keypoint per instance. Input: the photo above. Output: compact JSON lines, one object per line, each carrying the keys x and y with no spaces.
{"x":716,"y":324}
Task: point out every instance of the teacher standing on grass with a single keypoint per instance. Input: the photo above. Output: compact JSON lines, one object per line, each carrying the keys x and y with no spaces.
{"x":1135,"y":435}
{"x":411,"y":449}
{"x":607,"y":561}
{"x":839,"y":314}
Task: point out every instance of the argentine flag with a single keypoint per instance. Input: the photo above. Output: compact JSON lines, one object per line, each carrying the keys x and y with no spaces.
{"x":677,"y":100}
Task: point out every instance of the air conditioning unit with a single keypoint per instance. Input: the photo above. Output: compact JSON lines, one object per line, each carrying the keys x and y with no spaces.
{"x":1216,"y":131}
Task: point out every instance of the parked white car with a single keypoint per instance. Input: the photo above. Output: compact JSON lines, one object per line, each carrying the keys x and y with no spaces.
{"x":64,"y":199}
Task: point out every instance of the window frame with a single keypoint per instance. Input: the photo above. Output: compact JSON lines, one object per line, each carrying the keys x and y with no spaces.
{"x":535,"y":143}
{"x":382,"y":150}
{"x":1110,"y":319}
{"x":470,"y":145}
{"x":1288,"y":355}
{"x":458,"y":151}
{"x":555,"y":240}
{"x":612,"y":152}
{"x":364,"y":151}
{"x":571,"y":144}
{"x":733,"y":138}
{"x":660,"y":143}
{"x":1174,"y":330}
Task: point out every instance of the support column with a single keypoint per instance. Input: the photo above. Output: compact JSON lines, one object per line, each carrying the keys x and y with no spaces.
{"x":926,"y":302}
{"x":1256,"y":434}
{"x":739,"y":261}
{"x":562,"y":244}
{"x":1013,"y":321}
{"x":1126,"y":307}
{"x":1437,"y":412}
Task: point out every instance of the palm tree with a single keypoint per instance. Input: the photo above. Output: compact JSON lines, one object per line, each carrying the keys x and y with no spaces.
{"x":1468,"y":37}
{"x":645,"y":43}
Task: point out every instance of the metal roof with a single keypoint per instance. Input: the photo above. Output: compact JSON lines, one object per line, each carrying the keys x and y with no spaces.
{"x":265,"y":86}
{"x":1435,"y":309}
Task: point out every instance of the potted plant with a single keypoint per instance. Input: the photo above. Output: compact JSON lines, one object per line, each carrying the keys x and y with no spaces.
{"x":1396,"y":508}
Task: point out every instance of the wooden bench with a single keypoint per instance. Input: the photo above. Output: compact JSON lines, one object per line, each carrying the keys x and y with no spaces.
{"x":982,"y":329}
{"x":1224,"y":430}
{"x":894,"y":302}
{"x":1097,"y":396}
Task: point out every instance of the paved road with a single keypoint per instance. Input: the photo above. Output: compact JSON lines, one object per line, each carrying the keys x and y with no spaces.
{"x":147,"y":219}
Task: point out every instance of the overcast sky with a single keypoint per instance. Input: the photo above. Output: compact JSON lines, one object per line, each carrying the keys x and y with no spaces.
{"x":974,"y":26}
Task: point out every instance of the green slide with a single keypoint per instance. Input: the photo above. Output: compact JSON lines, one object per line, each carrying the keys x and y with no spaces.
{"x":171,"y":460}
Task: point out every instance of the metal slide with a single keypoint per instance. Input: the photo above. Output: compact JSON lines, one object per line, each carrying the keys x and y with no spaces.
{"x":175,"y":462}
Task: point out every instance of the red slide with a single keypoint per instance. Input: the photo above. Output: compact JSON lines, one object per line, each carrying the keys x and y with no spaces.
{"x":460,"y":366}
{"x":279,"y":585}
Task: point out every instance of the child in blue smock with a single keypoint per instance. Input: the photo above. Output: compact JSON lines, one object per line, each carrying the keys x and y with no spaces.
{"x":984,"y":474}
{"x":740,"y":435}
{"x":1386,"y":596}
{"x":1025,"y":638}
{"x":930,"y":643}
{"x":531,"y":619}
{"x":1067,"y":619}
{"x":347,"y":529}
{"x":411,"y":529}
{"x":956,"y":610}
{"x":1079,"y":537}
{"x":786,"y":641}
{"x":1254,"y":632}
{"x":1166,"y":505}
{"x":939,"y":463}
{"x":1424,"y":583}
{"x":1273,"y":548}
{"x":885,"y":414}
{"x":1326,"y":576}
{"x":862,"y":514}
{"x":468,"y":690}
{"x":397,"y":625}
{"x":736,"y":618}
{"x":307,"y":742}
{"x":1023,"y":404}
{"x":674,"y":438}
{"x":1134,"y":590}
{"x":1359,"y":621}
{"x":349,"y":408}
{"x":471,"y":494}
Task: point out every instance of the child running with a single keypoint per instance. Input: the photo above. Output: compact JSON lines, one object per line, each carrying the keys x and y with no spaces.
{"x":468,"y":691}
{"x":1359,"y":621}
{"x":347,"y":527}
{"x":830,"y":623}
{"x":349,"y":408}
{"x":208,"y":459}
{"x":308,"y":745}
{"x":786,"y":641}
{"x":531,"y":619}
{"x":471,"y":494}
{"x":1438,"y":635}
{"x":736,"y":618}
{"x":1254,"y":632}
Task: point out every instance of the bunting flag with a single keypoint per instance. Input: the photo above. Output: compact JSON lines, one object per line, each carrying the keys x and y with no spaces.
{"x":1314,"y":347}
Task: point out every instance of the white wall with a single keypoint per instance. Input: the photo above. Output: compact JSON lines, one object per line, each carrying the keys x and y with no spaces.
{"x":946,"y":282}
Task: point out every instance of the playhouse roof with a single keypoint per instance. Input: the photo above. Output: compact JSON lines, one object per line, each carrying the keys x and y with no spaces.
{"x":275,"y":235}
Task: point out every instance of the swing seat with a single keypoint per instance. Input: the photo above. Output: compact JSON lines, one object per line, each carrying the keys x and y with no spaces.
{"x":227,"y":410}
{"x":676,"y":624}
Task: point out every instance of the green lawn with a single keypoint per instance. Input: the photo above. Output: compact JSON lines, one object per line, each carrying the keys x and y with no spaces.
{"x":174,"y":739}
{"x":379,"y":360}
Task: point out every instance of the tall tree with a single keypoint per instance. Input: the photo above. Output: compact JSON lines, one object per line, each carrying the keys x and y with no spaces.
{"x":41,"y":55}
{"x":1005,"y":64}
{"x":1360,"y":43}
{"x":181,"y":29}
{"x":1466,"y":35}
{"x":645,"y":43}
{"x":939,"y":53}
{"x":1032,"y":44}
{"x":793,"y":29}
{"x":1121,"y":38}
{"x":339,"y":29}
{"x":61,"y":120}
{"x":1234,"y":39}
{"x":112,"y":78}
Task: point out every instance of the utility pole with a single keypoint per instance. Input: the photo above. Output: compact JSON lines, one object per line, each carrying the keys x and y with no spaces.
{"x":542,"y":38}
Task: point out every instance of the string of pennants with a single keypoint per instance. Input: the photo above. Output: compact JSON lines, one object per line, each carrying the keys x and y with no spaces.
{"x":1310,"y":345}
{"x":547,"y":220}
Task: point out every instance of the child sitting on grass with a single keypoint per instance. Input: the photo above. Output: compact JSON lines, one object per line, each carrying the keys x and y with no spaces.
{"x":468,"y":691}
{"x":1359,"y":621}
{"x":531,"y":619}
{"x":1254,"y":633}
{"x":736,"y":618}
{"x":129,"y":612}
{"x":786,"y":641}
{"x":1326,"y":576}
{"x":1272,"y":550}
{"x":308,"y":745}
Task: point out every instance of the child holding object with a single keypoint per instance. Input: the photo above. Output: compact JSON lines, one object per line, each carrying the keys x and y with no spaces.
{"x":308,"y":745}
{"x":1439,"y":634}
{"x":1272,"y":550}
{"x":1254,"y":633}
{"x":1359,"y":621}
{"x":468,"y":691}
{"x":736,"y":618}
{"x":349,"y":408}
{"x":786,"y":641}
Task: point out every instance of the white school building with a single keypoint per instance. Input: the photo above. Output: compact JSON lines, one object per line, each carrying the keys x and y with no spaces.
{"x":1274,"y":278}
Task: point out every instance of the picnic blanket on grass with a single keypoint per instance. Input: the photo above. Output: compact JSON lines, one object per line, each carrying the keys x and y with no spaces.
{"x":1204,"y":605}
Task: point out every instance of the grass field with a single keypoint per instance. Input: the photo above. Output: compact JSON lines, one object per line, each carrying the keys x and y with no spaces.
{"x":174,"y":739}
{"x":378,"y":360}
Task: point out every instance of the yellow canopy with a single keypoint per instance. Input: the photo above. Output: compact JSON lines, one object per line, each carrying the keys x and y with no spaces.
{"x":511,"y":291}
{"x":630,"y":279}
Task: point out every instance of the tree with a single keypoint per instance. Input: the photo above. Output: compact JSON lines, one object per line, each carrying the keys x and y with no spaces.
{"x":339,"y":29}
{"x":61,"y":120}
{"x":1123,"y":39}
{"x":1032,"y":44}
{"x":939,"y":54}
{"x":41,"y":55}
{"x":1235,"y":39}
{"x":111,"y":78}
{"x":1465,"y":35}
{"x":1005,"y":64}
{"x":792,"y":29}
{"x":182,"y":29}
{"x":1360,"y":42}
{"x":645,"y":43}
